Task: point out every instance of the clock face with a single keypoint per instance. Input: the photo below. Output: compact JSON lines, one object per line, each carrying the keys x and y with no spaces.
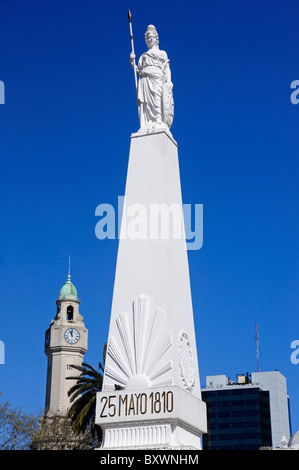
{"x":71,"y":335}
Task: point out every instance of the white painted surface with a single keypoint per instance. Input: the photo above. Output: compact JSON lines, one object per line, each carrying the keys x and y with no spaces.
{"x":151,"y":336}
{"x":164,"y":417}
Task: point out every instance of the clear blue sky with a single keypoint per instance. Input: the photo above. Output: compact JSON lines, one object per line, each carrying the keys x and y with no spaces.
{"x":64,"y":146}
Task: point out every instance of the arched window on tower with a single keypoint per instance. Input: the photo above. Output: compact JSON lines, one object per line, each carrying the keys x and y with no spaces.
{"x":70,"y":313}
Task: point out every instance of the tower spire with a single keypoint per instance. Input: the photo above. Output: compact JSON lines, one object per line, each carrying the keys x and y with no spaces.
{"x":69,"y":270}
{"x":68,"y":290}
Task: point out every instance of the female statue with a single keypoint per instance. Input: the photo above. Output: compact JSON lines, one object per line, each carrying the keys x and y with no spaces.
{"x":154,"y":90}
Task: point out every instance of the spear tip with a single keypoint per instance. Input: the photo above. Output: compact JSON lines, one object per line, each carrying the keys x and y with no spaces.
{"x":129,"y":15}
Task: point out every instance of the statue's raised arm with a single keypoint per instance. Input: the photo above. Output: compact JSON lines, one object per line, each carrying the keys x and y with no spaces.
{"x":154,"y":89}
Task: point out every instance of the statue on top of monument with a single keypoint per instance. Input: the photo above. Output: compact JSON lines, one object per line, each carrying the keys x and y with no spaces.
{"x":154,"y":89}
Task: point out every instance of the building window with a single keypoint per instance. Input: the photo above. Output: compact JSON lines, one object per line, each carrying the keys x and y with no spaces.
{"x":70,"y":313}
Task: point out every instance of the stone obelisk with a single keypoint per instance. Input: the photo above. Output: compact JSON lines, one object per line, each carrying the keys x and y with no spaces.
{"x":151,"y":397}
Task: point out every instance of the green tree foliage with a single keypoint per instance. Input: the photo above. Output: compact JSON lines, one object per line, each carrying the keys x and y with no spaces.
{"x":55,"y":433}
{"x":16,"y":428}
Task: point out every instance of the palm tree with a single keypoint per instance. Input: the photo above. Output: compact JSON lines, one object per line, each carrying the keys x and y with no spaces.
{"x":83,"y":398}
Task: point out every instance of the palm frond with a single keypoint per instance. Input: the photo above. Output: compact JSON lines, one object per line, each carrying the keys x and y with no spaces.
{"x":83,"y":396}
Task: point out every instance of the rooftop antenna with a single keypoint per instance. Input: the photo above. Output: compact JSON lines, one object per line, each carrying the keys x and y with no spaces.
{"x":257,"y":347}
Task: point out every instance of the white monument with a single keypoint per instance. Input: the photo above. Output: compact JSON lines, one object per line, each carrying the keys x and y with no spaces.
{"x":151,"y":397}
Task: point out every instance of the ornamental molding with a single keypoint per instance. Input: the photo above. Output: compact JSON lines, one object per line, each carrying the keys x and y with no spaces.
{"x":184,"y":343}
{"x":138,"y":351}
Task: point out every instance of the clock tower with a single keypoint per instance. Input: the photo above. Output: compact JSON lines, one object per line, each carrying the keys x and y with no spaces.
{"x":65,"y":346}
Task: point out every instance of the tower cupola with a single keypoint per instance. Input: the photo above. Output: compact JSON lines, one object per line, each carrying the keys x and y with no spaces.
{"x":68,"y":290}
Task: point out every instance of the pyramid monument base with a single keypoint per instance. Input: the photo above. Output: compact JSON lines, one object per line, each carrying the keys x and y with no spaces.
{"x":156,"y":418}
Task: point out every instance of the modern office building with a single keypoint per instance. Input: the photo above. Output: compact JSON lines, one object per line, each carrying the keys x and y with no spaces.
{"x":247,"y":414}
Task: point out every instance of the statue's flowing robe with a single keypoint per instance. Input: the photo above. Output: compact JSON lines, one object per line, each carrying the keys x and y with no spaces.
{"x":152,"y":65}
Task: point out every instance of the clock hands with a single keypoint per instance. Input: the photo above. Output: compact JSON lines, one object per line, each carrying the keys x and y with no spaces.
{"x":71,"y":335}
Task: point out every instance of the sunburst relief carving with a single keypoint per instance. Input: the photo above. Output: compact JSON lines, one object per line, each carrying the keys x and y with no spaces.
{"x":138,"y":352}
